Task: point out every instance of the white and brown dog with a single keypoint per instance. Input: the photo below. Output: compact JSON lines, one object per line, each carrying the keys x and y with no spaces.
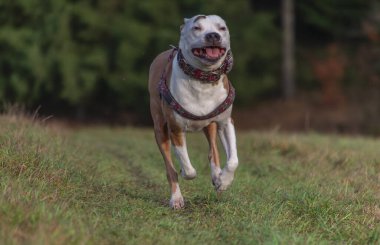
{"x":189,"y":91}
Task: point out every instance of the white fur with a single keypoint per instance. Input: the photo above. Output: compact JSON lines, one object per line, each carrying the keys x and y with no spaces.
{"x":187,"y":170}
{"x":227,"y":135}
{"x":215,"y":172}
{"x":176,"y":200}
{"x":196,"y":97}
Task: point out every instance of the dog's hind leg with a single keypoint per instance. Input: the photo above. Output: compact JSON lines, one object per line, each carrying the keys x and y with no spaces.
{"x":213,"y":156}
{"x":178,"y":139}
{"x":163,"y":142}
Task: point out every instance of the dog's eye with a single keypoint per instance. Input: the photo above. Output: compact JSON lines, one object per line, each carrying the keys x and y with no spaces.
{"x":223,"y":28}
{"x":196,"y":28}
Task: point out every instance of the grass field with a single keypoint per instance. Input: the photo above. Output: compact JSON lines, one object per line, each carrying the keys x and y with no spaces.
{"x":108,"y":186}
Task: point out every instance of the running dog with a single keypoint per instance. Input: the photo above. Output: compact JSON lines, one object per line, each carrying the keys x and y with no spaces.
{"x":189,"y":91}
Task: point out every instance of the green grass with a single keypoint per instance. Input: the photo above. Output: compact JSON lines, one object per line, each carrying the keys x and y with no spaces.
{"x":108,"y":186}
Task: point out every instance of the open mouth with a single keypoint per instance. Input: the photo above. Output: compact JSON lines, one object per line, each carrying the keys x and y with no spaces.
{"x":211,"y":53}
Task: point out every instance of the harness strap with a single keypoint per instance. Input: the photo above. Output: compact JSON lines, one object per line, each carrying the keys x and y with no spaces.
{"x":173,"y":103}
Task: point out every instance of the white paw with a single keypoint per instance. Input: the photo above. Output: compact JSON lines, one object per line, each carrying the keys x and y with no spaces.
{"x":215,"y":174}
{"x":177,"y":202}
{"x":189,"y":174}
{"x":224,"y":180}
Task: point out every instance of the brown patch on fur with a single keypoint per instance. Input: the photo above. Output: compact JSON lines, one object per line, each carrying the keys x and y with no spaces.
{"x":173,"y":187}
{"x":163,"y":142}
{"x":176,"y":132}
{"x":226,"y":84}
{"x":157,"y":67}
{"x":161,"y":123}
{"x":211,"y":132}
{"x":177,"y":138}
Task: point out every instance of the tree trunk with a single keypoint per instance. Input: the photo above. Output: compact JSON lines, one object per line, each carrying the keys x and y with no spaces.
{"x":288,"y":65}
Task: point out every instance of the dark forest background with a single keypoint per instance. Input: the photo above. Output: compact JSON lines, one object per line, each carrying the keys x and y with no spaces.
{"x":90,"y":58}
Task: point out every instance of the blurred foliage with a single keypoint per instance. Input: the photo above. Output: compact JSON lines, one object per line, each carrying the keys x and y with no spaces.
{"x":337,"y":19}
{"x":94,"y":55}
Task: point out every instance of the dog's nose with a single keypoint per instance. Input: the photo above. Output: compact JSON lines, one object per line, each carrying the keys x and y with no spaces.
{"x":212,"y":37}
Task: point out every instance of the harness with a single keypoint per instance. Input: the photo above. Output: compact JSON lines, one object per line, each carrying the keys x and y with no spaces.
{"x":206,"y":77}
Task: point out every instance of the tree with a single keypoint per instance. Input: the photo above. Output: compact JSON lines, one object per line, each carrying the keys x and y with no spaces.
{"x":288,"y":65}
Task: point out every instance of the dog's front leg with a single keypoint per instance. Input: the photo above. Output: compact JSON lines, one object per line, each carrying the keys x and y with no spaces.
{"x":178,"y":140}
{"x":227,"y":135}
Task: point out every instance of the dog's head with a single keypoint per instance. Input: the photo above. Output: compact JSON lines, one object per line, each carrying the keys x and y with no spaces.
{"x":205,"y":41}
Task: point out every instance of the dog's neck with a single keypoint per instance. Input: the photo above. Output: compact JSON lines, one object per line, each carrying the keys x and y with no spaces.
{"x":205,"y":76}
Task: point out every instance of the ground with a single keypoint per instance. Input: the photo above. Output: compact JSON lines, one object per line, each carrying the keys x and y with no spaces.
{"x":102,"y":185}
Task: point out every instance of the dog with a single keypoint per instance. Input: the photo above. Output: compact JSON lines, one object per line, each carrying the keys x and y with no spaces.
{"x":189,"y":91}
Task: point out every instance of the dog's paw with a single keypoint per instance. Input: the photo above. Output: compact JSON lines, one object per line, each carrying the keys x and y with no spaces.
{"x":177,"y":202}
{"x":223,"y":181}
{"x":189,"y":174}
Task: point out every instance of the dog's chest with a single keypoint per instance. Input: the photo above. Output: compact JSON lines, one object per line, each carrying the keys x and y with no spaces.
{"x":196,"y":97}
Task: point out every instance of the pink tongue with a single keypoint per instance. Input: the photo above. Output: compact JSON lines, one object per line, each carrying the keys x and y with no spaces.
{"x":213,"y":52}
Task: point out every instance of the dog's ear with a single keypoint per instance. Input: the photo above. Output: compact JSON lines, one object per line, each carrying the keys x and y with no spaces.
{"x":185,"y":20}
